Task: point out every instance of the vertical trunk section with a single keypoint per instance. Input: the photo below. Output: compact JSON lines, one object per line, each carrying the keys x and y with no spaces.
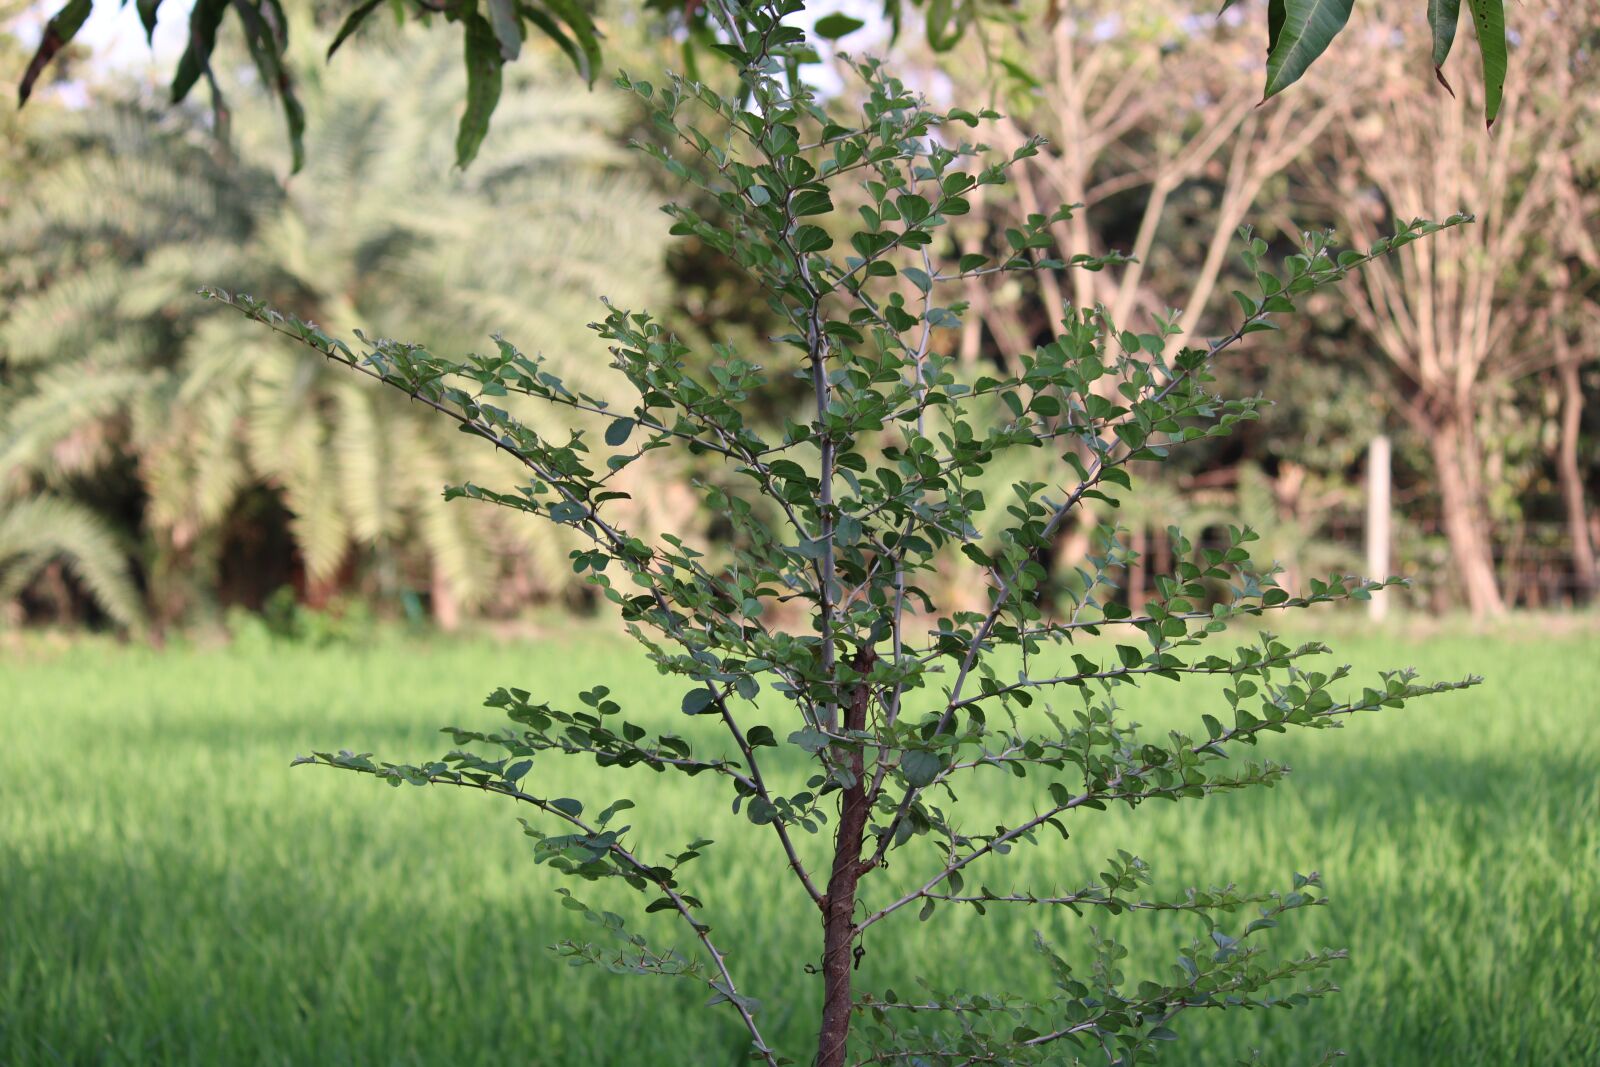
{"x":839,"y":905}
{"x":1379,"y":534}
{"x":1570,"y":474}
{"x":1454,"y":451}
{"x":442,"y":597}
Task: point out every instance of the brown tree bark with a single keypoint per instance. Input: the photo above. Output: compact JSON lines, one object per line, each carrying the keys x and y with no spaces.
{"x":839,"y":904}
{"x":1569,"y":472}
{"x":446,"y":608}
{"x":1456,"y":462}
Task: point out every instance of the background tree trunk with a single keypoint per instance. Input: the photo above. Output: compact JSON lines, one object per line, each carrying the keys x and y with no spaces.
{"x":442,"y":597}
{"x":1455,"y":455}
{"x":1570,"y":474}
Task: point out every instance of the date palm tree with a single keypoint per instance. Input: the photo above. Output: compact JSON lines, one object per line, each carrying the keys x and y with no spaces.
{"x":124,"y":391}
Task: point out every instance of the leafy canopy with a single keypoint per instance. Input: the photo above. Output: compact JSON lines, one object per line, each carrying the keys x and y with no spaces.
{"x":493,"y":33}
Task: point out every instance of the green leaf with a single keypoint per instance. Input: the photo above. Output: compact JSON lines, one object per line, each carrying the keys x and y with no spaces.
{"x":507,"y":26}
{"x":913,"y":208}
{"x":196,"y":58}
{"x":810,"y":202}
{"x":567,"y":511}
{"x":696,"y":701}
{"x":483,"y":87}
{"x":615,"y":806}
{"x":1443,"y":18}
{"x":582,"y":26}
{"x":811,"y":239}
{"x":1308,"y":28}
{"x":294,"y":116}
{"x":267,"y":38}
{"x":1489,"y":17}
{"x":553,"y":30}
{"x":353,"y":20}
{"x":943,"y":25}
{"x":147,"y":15}
{"x":572,"y":807}
{"x":58,"y":32}
{"x":810,"y":740}
{"x":919,"y":767}
{"x":833,"y":27}
{"x":618,"y":432}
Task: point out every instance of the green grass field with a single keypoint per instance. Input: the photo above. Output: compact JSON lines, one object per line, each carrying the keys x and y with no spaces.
{"x":172,"y":892}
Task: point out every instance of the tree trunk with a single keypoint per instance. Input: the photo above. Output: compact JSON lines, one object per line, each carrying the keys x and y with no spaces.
{"x":1570,"y":473}
{"x":1379,"y":525}
{"x":839,"y":904}
{"x":442,"y":598}
{"x":1455,"y":456}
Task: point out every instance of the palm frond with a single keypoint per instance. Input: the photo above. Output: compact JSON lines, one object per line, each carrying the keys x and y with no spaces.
{"x":35,"y":531}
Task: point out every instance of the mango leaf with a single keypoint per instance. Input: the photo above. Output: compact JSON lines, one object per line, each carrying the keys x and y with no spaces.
{"x":943,"y":25}
{"x":483,"y":87}
{"x":353,"y":20}
{"x":196,"y":58}
{"x":266,"y":31}
{"x":61,"y":29}
{"x":507,"y":27}
{"x":1308,"y":27}
{"x":147,"y":15}
{"x":553,"y":30}
{"x":294,"y":117}
{"x":1489,"y":17}
{"x":1443,"y":17}
{"x":583,"y":30}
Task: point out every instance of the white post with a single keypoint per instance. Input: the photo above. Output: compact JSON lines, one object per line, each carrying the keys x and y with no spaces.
{"x":1378,"y":520}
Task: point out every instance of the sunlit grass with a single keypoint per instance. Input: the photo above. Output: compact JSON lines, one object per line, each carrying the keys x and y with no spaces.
{"x":171,"y":892}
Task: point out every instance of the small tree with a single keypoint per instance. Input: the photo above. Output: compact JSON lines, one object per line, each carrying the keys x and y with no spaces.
{"x":891,"y":704}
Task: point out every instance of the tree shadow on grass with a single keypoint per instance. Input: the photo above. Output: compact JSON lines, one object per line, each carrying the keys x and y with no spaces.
{"x":350,"y":946}
{"x":353,"y":956}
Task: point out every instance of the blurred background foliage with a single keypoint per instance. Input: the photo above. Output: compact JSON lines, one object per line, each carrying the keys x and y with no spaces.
{"x":161,"y":463}
{"x":226,"y":464}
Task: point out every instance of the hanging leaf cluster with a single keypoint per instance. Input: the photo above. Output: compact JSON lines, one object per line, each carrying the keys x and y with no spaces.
{"x":1299,"y":31}
{"x":494,"y":32}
